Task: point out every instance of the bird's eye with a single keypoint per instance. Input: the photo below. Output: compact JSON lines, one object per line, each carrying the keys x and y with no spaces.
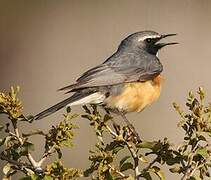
{"x":148,"y":40}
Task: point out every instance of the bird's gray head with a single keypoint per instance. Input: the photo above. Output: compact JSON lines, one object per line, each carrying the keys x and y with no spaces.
{"x":145,"y":40}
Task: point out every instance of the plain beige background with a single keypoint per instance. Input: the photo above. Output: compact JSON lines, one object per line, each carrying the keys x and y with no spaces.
{"x":46,"y":44}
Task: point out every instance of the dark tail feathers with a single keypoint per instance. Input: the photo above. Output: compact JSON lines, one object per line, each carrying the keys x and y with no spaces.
{"x":60,"y":105}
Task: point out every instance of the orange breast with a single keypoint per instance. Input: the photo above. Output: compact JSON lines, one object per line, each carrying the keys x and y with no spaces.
{"x":136,"y":95}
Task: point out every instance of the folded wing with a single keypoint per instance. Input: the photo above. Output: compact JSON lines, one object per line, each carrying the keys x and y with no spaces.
{"x":128,"y":68}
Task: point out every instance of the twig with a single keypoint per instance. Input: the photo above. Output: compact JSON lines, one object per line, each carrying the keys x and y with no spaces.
{"x":190,"y":167}
{"x":29,"y":156}
{"x":21,"y":166}
{"x":17,"y":134}
{"x":118,"y":172}
{"x":150,"y":165}
{"x":111,"y":131}
{"x":189,"y":172}
{"x":36,"y":132}
{"x":14,"y":162}
{"x":135,"y":158}
{"x":45,"y":155}
{"x":132,"y":128}
{"x":131,"y":149}
{"x":12,"y":134}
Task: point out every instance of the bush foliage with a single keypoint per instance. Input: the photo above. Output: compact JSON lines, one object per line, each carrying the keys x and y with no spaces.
{"x":142,"y":159}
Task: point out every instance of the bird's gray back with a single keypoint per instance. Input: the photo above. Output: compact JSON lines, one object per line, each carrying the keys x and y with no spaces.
{"x":123,"y":66}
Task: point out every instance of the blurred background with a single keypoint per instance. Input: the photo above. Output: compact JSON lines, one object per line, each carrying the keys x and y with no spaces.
{"x":47,"y":44}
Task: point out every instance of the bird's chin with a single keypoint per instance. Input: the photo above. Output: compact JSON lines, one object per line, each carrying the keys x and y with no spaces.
{"x":153,"y":50}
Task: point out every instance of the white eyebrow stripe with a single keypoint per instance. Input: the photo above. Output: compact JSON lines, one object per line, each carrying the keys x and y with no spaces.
{"x":145,"y":37}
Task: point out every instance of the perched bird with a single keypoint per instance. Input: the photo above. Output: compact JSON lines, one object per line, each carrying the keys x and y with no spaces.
{"x":127,"y":81}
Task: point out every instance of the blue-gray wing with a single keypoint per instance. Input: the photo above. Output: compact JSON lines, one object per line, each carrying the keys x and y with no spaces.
{"x":119,"y":69}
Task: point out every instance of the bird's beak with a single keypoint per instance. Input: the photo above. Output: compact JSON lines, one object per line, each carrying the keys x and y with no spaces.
{"x":161,"y":45}
{"x":167,"y":35}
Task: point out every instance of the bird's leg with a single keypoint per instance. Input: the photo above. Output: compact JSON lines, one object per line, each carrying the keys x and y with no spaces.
{"x":131,"y":127}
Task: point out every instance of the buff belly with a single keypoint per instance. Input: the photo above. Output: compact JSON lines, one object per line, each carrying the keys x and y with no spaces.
{"x":136,"y":96}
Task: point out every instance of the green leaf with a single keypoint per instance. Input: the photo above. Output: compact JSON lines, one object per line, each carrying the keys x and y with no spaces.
{"x":28,"y":118}
{"x":47,"y":177}
{"x":171,"y":160}
{"x":67,"y":143}
{"x":29,"y":171}
{"x":59,"y":152}
{"x":86,"y":109}
{"x":108,"y":175}
{"x":142,"y":158}
{"x":203,"y":152}
{"x":195,"y":178}
{"x":86,"y":116}
{"x":1,"y":127}
{"x":107,"y":117}
{"x":7,"y":168}
{"x":130,"y":178}
{"x":147,"y":176}
{"x":202,"y":138}
{"x":146,"y":144}
{"x":201,"y":93}
{"x":124,"y":160}
{"x":117,"y":149}
{"x":29,"y":146}
{"x":126,"y":166}
{"x":7,"y":140}
{"x":6,"y":178}
{"x":26,"y":178}
{"x":158,"y":172}
{"x":89,"y":171}
{"x":35,"y":177}
{"x":1,"y":142}
{"x":176,"y":169}
{"x":114,"y":146}
{"x":68,"y":109}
